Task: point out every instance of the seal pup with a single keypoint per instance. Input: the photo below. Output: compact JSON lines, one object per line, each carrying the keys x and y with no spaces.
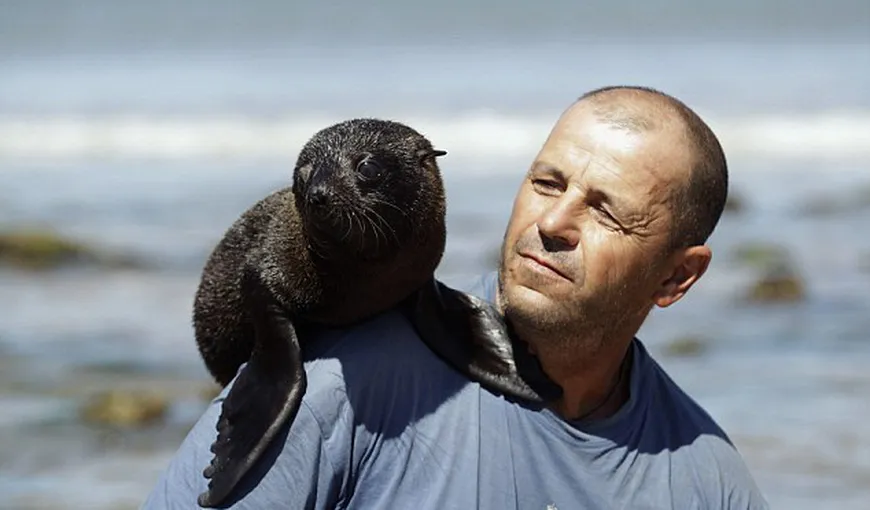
{"x":361,"y":230}
{"x":361,"y":227}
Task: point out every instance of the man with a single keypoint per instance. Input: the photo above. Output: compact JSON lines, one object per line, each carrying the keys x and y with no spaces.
{"x":610,"y":221}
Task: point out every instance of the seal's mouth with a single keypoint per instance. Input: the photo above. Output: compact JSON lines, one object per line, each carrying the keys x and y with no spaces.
{"x":322,"y":213}
{"x":339,"y":227}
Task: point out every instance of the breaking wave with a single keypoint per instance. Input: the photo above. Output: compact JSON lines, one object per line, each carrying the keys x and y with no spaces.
{"x":470,"y":135}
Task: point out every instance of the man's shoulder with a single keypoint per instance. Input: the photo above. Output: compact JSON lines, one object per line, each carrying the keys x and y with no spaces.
{"x":381,"y":346}
{"x":673,"y":403}
{"x":700,"y":452}
{"x":376,"y":367}
{"x":381,"y":357}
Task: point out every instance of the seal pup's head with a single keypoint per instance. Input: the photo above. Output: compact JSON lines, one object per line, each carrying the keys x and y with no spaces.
{"x":366,"y":187}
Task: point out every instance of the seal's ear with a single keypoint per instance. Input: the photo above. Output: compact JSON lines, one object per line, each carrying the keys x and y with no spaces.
{"x":425,"y":154}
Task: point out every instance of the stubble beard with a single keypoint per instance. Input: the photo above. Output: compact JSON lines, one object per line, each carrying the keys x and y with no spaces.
{"x":574,"y":331}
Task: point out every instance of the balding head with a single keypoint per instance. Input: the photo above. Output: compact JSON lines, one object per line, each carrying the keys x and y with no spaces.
{"x":698,"y":204}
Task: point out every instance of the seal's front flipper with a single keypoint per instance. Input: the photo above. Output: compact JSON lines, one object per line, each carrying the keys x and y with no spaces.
{"x":264,"y":397}
{"x":472,"y":336}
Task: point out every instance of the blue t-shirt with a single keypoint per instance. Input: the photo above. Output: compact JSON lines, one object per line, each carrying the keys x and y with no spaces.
{"x":385,"y":424}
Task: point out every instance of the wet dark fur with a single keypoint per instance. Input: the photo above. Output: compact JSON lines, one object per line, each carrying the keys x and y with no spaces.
{"x":370,"y":245}
{"x":362,"y":227}
{"x":395,"y":239}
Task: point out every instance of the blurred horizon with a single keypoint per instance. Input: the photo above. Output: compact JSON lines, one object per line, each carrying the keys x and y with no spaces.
{"x":100,"y":27}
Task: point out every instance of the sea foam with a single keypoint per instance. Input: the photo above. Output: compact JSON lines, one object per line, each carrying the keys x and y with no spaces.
{"x":465,"y":135}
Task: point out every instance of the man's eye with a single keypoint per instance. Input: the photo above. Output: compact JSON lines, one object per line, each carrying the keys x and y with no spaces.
{"x":545,"y":184}
{"x":603,"y":213}
{"x":606,"y":213}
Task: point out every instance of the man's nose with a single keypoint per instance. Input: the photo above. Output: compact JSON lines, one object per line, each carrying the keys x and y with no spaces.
{"x":560,"y":223}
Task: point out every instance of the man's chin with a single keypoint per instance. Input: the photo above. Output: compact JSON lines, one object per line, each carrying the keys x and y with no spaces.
{"x":527,"y":300}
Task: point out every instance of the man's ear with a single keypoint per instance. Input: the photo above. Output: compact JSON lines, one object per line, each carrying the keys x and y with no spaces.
{"x":687,"y":267}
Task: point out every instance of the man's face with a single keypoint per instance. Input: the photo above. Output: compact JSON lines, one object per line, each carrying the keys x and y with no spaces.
{"x":587,"y":241}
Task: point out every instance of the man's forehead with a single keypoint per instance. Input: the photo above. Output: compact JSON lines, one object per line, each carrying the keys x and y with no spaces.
{"x":582,"y":145}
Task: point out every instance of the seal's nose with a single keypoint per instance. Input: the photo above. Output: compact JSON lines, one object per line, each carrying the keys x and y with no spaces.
{"x":317,"y":196}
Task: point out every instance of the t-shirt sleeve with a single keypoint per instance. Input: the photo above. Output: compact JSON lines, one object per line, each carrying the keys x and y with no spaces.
{"x":295,"y":471}
{"x":719,"y":472}
{"x":746,"y":498}
{"x":704,"y":467}
{"x":739,"y":489}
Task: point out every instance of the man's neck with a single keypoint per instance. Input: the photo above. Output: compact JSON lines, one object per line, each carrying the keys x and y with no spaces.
{"x":595,"y":377}
{"x":595,"y":382}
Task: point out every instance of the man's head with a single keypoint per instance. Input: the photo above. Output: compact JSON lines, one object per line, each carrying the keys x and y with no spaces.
{"x":612,"y":218}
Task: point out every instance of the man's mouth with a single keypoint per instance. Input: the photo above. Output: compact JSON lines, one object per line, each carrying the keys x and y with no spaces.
{"x":545,"y":264}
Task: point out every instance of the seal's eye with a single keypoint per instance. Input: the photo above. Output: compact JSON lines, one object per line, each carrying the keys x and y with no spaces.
{"x":370,"y":170}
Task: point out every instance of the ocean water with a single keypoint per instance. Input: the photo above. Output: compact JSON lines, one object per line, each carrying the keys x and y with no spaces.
{"x":148,"y":127}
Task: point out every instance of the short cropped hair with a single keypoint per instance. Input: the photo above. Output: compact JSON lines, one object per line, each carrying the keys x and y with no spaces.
{"x":698,"y":205}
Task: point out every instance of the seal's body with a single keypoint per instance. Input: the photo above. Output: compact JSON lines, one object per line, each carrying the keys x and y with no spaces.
{"x":361,"y":230}
{"x":362,"y":227}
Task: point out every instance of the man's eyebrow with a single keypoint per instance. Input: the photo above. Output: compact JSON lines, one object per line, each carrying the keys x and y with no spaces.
{"x":620,"y":206}
{"x":543,"y":168}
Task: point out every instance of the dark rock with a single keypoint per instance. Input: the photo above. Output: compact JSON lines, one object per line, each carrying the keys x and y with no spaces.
{"x":687,"y":346}
{"x":778,"y":280}
{"x":125,"y":408}
{"x":778,"y":284}
{"x":41,"y":249}
{"x":734,"y":203}
{"x":761,"y":255}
